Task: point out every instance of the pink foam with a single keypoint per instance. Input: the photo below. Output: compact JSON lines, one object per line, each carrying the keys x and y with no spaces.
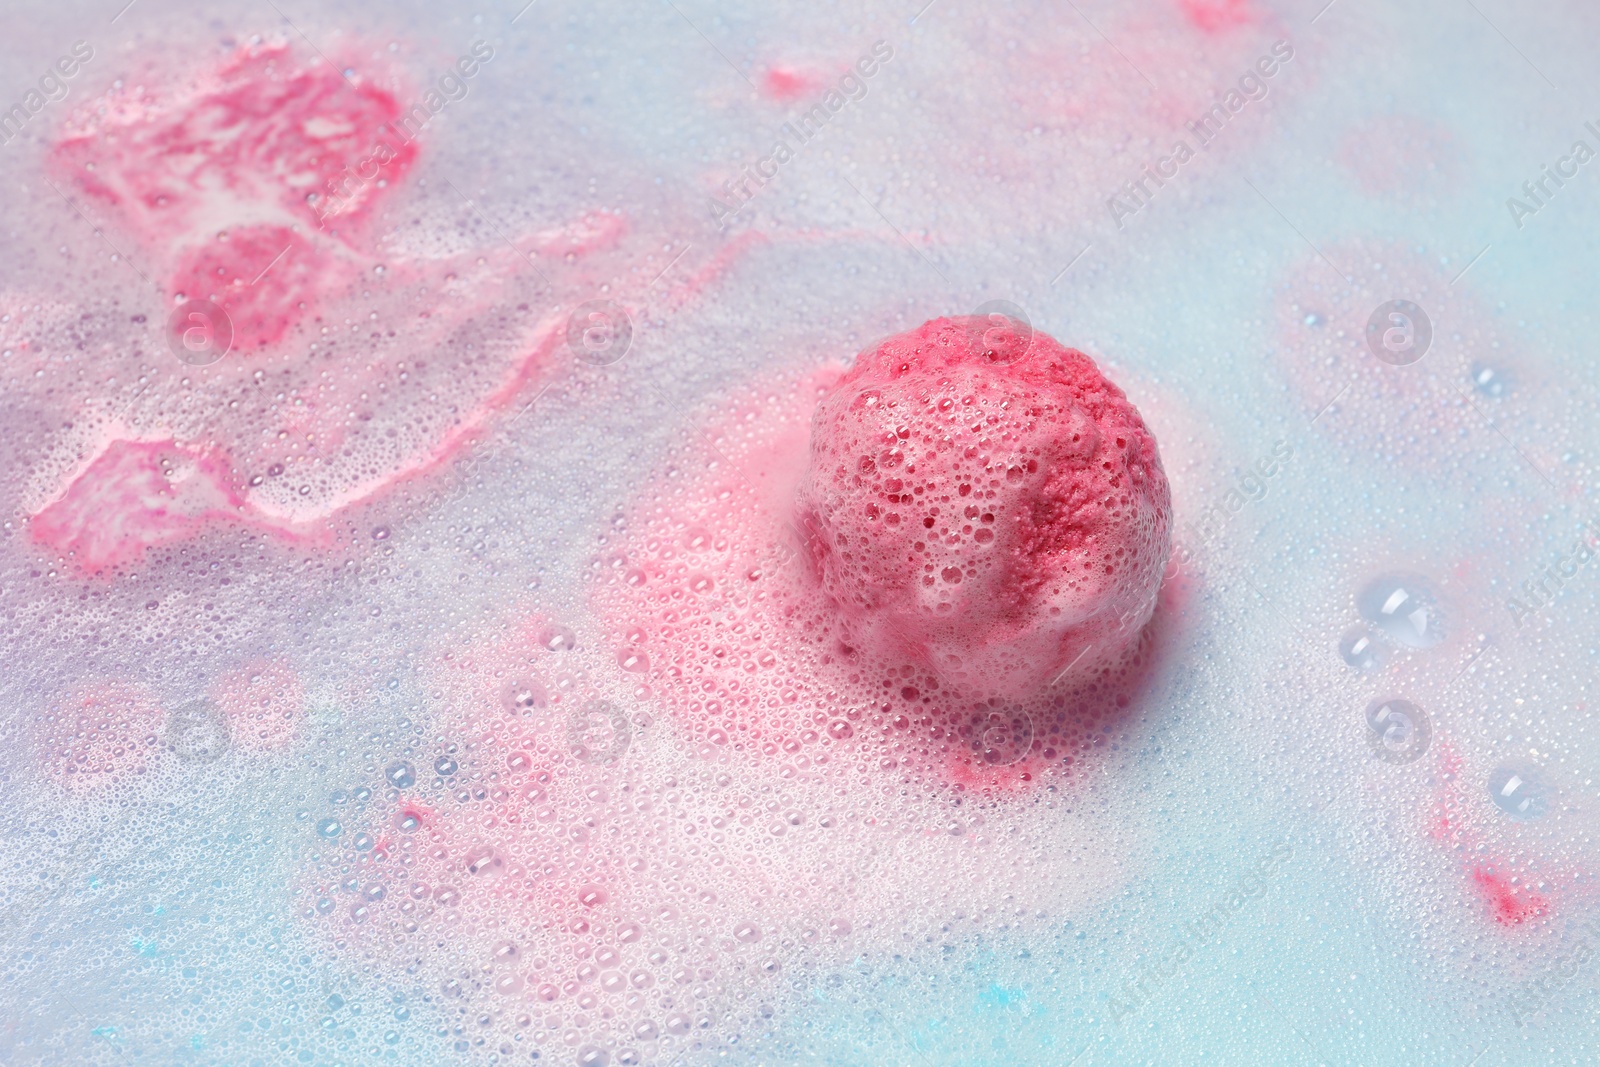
{"x":1001,"y":523}
{"x":135,"y":495}
{"x":262,"y":133}
{"x":1508,"y":904}
{"x":228,"y":177}
{"x":266,"y":277}
{"x":709,"y":599}
{"x":1215,"y":16}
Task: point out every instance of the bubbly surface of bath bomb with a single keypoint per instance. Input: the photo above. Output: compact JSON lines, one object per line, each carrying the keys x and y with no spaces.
{"x":984,"y":501}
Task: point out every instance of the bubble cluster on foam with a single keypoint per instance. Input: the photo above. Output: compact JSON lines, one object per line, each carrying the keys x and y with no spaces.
{"x":1000,"y":515}
{"x":642,"y":911}
{"x":755,"y":659}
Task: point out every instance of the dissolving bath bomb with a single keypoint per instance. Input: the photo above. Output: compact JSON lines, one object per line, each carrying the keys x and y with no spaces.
{"x":982,"y":501}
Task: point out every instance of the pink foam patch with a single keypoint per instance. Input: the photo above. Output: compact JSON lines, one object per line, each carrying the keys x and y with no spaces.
{"x":230,"y":177}
{"x":266,"y":127}
{"x":788,"y":83}
{"x":132,"y":496}
{"x":708,"y":599}
{"x":267,"y":278}
{"x":1215,"y":16}
{"x":1508,"y":905}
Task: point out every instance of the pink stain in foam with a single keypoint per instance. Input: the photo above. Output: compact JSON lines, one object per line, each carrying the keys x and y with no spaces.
{"x":1508,"y":904}
{"x":226,"y":171}
{"x":265,"y":128}
{"x":1215,"y":16}
{"x":785,"y":83}
{"x":264,"y":277}
{"x":225,"y":177}
{"x":753,"y":657}
{"x":135,"y":495}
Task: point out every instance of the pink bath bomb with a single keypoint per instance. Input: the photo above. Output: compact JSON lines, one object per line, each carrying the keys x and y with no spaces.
{"x":985,"y":503}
